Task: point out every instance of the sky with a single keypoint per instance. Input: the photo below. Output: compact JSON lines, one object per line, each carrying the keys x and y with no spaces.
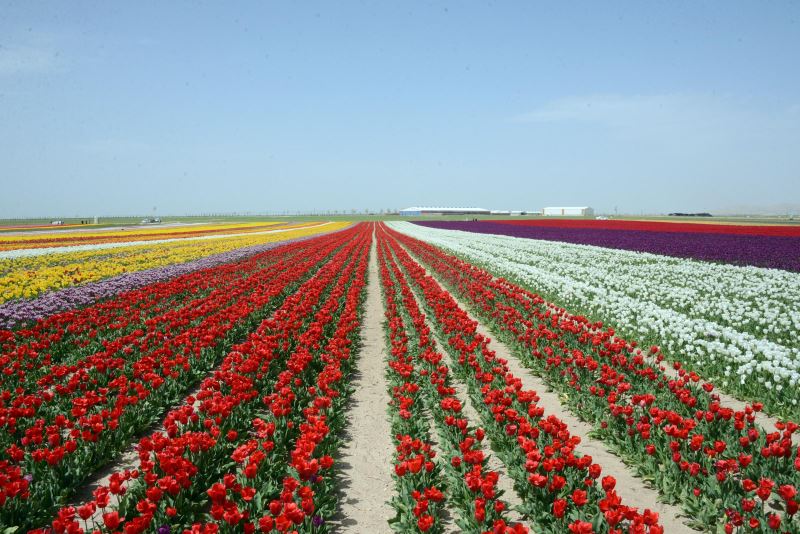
{"x":112,"y":108}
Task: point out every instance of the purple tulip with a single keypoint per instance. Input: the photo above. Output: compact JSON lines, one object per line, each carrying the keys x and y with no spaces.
{"x":760,"y":251}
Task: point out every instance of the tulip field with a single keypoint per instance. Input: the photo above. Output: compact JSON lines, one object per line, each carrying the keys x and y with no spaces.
{"x":740,"y":326}
{"x":439,"y":377}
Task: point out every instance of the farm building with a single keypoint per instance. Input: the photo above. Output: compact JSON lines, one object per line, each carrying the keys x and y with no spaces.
{"x":584,"y":211}
{"x":417,"y":211}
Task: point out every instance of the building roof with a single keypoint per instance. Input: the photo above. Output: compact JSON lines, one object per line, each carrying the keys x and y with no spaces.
{"x":568,"y":208}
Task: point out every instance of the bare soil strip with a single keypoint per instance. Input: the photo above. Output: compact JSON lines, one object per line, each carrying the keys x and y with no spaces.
{"x":631,"y":488}
{"x":366,"y":455}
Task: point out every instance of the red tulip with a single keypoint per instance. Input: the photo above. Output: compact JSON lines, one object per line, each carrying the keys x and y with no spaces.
{"x":559,"y":507}
{"x":111,"y":520}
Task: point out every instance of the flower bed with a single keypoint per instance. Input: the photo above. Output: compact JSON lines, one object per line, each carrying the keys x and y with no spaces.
{"x":737,"y":327}
{"x":29,"y":273}
{"x":772,"y":251}
{"x":715,"y":461}
{"x":59,"y":434}
{"x":421,"y":385}
{"x":561,"y":490}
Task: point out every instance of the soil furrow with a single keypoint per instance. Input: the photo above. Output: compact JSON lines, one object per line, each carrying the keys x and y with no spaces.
{"x":366,"y":456}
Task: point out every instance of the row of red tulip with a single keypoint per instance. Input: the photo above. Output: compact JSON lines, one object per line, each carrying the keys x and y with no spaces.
{"x":561,"y":490}
{"x":59,"y":395}
{"x":178,"y":479}
{"x":308,"y":416}
{"x":715,"y":461}
{"x":64,"y":374}
{"x":419,"y":501}
{"x":66,"y":338}
{"x":472,"y":488}
{"x":103,"y":340}
{"x":131,"y":391}
{"x":65,"y":432}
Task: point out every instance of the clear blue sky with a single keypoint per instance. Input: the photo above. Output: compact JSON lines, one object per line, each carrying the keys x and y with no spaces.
{"x":196,"y":107}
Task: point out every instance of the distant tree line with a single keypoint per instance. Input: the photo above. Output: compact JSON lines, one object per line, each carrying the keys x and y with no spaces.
{"x":703,"y":214}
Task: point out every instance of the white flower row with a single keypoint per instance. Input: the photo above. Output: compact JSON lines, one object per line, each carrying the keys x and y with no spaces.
{"x":730,"y":321}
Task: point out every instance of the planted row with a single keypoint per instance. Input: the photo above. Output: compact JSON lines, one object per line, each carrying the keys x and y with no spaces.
{"x":715,"y":461}
{"x":30,"y":273}
{"x":90,"y":415}
{"x":561,"y":491}
{"x":246,"y":416}
{"x":421,"y":388}
{"x":738,"y":327}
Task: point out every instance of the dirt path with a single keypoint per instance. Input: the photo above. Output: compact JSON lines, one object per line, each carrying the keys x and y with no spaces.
{"x":366,"y":455}
{"x":631,"y":488}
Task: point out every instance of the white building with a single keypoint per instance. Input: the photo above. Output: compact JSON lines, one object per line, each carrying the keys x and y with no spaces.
{"x":583,"y":211}
{"x":417,"y":211}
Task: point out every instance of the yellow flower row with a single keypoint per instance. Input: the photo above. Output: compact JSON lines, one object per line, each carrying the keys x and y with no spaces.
{"x":28,"y":277}
{"x":54,"y":239}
